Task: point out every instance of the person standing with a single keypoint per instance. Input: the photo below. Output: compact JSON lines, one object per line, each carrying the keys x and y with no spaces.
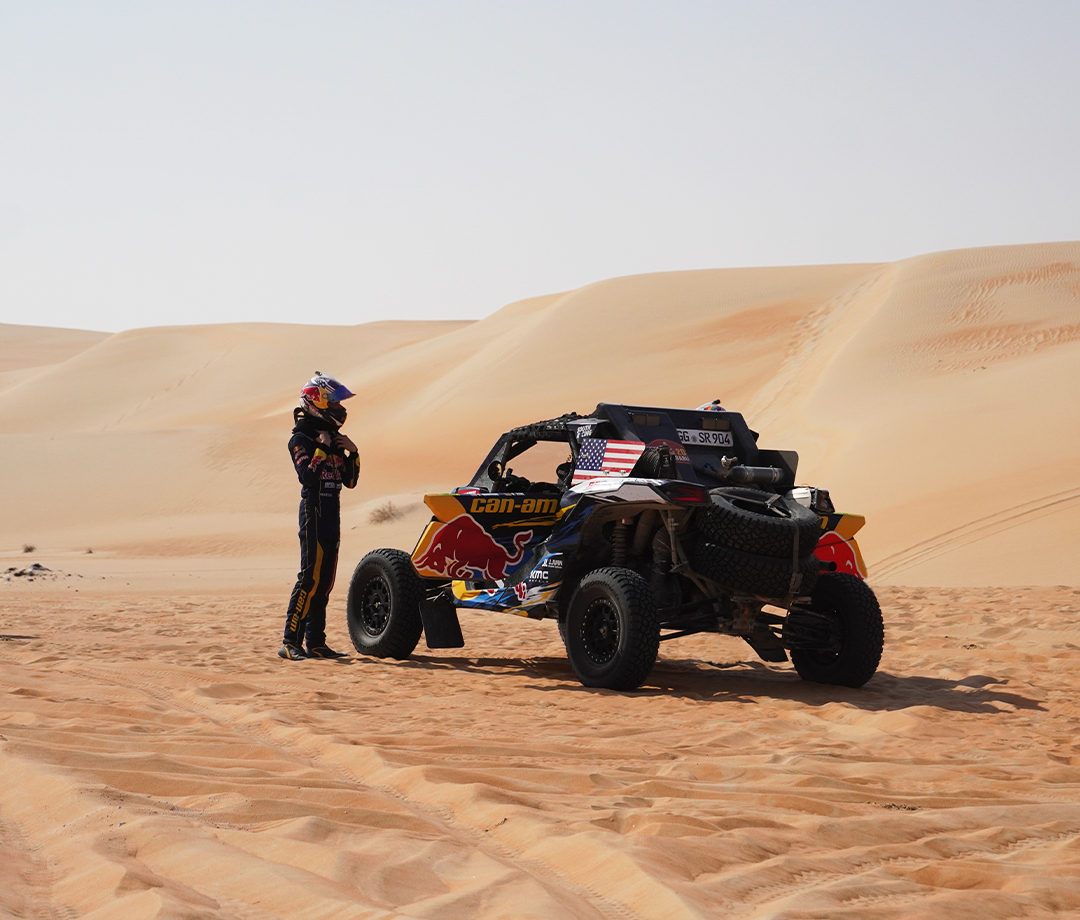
{"x":325,"y":459}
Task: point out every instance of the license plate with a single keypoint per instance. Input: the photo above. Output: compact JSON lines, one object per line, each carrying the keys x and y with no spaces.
{"x":711,"y":438}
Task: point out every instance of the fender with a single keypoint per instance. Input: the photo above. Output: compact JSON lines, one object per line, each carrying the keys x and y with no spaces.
{"x":837,"y":543}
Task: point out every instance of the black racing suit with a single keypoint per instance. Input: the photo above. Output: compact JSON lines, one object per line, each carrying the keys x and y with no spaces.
{"x":322,"y":471}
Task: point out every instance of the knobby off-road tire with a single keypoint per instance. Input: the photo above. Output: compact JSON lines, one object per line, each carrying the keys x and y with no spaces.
{"x":612,"y":631}
{"x":758,"y":523}
{"x":744,"y":573}
{"x":852,"y":604}
{"x":384,"y":605}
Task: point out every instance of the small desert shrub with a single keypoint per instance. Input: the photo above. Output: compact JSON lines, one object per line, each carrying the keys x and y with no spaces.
{"x":384,"y":513}
{"x":28,"y":547}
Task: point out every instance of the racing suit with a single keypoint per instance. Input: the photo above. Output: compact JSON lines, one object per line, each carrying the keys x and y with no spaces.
{"x":322,"y":471}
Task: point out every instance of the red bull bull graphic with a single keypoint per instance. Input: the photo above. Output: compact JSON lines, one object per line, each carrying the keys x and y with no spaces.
{"x":842,"y":553}
{"x":481,"y":537}
{"x":462,"y":549}
{"x":837,"y":544}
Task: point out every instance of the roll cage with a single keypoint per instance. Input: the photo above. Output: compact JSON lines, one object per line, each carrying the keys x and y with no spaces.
{"x":691,"y":445}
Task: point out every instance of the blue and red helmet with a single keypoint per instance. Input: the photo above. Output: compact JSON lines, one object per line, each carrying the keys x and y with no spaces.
{"x":322,"y":396}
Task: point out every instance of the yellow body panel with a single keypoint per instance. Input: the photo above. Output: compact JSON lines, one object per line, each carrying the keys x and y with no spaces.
{"x":849,"y":525}
{"x":445,"y":506}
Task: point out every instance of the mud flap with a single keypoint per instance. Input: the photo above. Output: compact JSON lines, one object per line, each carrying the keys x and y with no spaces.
{"x":441,"y":627}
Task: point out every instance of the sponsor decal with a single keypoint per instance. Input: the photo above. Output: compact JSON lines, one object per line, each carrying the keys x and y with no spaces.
{"x":834,"y":548}
{"x":462,"y":549}
{"x":549,"y":568}
{"x":678,"y":452}
{"x":502,"y":504}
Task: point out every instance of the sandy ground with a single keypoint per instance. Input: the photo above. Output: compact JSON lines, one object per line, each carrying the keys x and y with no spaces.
{"x":159,"y":761}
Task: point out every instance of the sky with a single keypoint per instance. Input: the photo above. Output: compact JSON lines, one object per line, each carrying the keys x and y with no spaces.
{"x":345,"y":162}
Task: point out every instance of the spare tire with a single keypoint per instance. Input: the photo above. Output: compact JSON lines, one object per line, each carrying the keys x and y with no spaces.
{"x":745,"y":573}
{"x":760,"y":523}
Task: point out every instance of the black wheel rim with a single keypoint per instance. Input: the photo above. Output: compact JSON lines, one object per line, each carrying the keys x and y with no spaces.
{"x":375,"y":606}
{"x":822,"y":656}
{"x":600,"y":631}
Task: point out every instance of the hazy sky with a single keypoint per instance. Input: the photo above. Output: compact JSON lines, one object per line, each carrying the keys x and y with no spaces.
{"x":191,"y":162}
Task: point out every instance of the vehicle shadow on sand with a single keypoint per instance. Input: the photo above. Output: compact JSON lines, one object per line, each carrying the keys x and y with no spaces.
{"x":753,"y":682}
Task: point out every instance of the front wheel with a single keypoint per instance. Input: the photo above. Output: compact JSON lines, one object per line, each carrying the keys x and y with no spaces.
{"x":851,"y":605}
{"x":384,"y":605}
{"x":612,"y":631}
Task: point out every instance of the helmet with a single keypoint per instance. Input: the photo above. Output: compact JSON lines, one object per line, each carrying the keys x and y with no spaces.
{"x":713,"y":406}
{"x":321,"y":397}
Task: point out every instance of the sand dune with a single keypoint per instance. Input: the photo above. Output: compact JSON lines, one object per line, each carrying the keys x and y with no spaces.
{"x":931,"y":395}
{"x":160,"y":761}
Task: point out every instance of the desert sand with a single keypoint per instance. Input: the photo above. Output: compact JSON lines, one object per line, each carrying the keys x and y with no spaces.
{"x":158,"y":760}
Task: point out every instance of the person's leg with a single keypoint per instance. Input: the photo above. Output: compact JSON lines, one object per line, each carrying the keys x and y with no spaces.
{"x":329,"y":531}
{"x":307,"y":581}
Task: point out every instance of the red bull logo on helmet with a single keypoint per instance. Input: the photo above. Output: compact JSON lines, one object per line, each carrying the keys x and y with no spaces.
{"x":322,"y":390}
{"x":462,"y":549}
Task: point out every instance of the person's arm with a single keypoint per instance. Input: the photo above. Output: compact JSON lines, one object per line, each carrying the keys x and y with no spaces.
{"x":308,"y":456}
{"x":351,"y":473}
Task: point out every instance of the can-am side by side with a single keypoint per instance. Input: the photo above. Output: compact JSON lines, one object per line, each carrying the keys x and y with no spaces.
{"x":659,"y":523}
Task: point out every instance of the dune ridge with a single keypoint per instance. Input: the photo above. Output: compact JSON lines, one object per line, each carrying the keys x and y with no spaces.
{"x":929,"y":395}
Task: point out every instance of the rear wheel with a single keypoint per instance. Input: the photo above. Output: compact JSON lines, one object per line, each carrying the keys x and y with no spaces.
{"x":856,"y":614}
{"x":384,"y":605}
{"x":612,"y":632}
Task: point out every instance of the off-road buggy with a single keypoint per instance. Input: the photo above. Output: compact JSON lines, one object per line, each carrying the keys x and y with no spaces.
{"x":657,"y":523}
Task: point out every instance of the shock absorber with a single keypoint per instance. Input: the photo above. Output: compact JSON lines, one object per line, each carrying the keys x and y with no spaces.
{"x":660,"y":580}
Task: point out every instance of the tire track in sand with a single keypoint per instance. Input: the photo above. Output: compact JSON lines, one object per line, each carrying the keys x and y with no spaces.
{"x":973,"y":531}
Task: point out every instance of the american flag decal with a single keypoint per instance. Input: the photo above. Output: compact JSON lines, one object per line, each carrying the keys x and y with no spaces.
{"x":600,"y":459}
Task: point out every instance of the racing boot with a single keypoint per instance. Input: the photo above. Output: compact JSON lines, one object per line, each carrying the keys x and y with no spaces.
{"x":324,"y":651}
{"x":292,"y":652}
